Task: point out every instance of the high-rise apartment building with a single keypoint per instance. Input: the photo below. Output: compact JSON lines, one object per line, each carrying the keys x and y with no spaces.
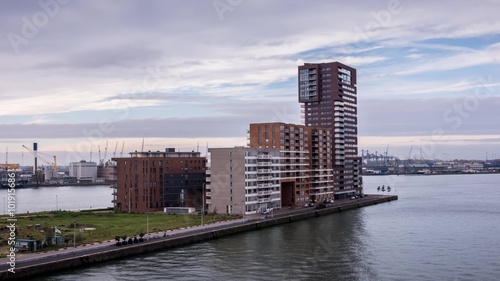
{"x":151,"y":181}
{"x":329,"y":97}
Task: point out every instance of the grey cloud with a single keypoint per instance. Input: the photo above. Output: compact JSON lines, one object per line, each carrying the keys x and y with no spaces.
{"x":233,"y":123}
{"x":119,"y":56}
{"x":409,"y":117}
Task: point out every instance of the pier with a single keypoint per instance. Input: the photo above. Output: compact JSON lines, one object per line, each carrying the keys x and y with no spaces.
{"x":36,"y":264}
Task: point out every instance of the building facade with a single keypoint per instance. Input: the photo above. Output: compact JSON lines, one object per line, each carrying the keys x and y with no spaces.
{"x":328,"y":95}
{"x":243,"y":180}
{"x":306,"y":174}
{"x":151,"y":181}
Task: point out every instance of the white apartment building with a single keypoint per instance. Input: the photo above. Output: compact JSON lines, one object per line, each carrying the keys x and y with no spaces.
{"x":243,"y":180}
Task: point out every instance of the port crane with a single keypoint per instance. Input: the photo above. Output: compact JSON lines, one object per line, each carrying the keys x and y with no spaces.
{"x":105,"y":152}
{"x":43,"y":159}
{"x":116,"y":147}
{"x":123,"y":145}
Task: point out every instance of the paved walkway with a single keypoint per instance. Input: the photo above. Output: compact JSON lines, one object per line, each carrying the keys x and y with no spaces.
{"x":25,"y":257}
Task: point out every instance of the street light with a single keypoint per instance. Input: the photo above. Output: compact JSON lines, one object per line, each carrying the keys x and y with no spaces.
{"x":57,"y":204}
{"x":74,"y":234}
{"x":203,"y":203}
{"x":129,"y":195}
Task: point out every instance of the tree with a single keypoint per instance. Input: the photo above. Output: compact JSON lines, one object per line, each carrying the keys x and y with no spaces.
{"x":117,"y":238}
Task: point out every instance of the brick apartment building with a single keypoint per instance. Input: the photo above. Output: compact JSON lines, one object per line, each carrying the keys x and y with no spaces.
{"x":150,"y":181}
{"x":306,"y":163}
{"x":328,"y":95}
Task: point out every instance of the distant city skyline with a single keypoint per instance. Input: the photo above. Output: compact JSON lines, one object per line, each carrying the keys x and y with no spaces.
{"x":186,"y":73}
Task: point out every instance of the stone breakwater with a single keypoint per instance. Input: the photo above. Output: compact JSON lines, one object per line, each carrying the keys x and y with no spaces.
{"x":111,"y":253}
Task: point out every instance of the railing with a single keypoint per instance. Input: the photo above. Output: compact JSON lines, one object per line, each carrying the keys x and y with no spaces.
{"x":264,"y":157}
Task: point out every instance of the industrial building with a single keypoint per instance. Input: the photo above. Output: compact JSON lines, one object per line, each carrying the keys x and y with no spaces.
{"x":83,"y":171}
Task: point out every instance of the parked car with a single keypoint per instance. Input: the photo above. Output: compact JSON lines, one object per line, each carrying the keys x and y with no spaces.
{"x":321,"y":206}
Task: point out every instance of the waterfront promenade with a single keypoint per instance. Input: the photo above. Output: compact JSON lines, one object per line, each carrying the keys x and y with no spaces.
{"x":51,"y":261}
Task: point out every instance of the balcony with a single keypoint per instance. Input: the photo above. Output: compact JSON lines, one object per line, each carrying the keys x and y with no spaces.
{"x":264,"y":156}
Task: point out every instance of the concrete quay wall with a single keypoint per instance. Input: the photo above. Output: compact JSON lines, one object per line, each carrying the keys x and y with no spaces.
{"x":65,"y":263}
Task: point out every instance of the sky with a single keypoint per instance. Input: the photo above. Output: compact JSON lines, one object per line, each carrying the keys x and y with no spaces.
{"x":188,"y":74}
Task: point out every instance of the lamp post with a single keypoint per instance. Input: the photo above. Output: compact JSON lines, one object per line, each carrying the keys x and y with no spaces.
{"x":129,"y":195}
{"x":57,"y":204}
{"x":74,"y":234}
{"x":203,"y":203}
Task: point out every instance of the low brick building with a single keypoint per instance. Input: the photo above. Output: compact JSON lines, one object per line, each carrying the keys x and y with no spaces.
{"x":150,"y":181}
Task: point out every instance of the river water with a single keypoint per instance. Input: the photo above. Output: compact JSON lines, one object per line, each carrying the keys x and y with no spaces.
{"x":441,"y":228}
{"x":69,"y":198}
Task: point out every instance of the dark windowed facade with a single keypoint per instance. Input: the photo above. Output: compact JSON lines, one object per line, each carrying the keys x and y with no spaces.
{"x":151,"y":181}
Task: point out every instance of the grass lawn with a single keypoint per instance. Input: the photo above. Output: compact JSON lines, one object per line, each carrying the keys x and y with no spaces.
{"x":99,"y":226}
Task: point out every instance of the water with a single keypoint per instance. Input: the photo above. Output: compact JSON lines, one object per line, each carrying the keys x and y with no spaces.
{"x":59,"y":198}
{"x":441,"y":228}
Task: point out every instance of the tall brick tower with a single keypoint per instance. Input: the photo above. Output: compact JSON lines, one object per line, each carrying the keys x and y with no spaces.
{"x":328,"y":95}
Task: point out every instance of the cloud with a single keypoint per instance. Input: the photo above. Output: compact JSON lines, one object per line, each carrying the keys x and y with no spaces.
{"x":421,"y":117}
{"x":490,"y":55}
{"x":119,"y":56}
{"x":178,"y":62}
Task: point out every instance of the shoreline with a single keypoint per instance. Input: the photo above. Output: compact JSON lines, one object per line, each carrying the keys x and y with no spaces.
{"x":34,"y":185}
{"x":50,"y":262}
{"x":432,"y":174}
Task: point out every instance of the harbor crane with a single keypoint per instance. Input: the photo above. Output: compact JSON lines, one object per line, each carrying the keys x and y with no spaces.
{"x":105,"y":151}
{"x":100,"y":159}
{"x":43,"y":159}
{"x":116,"y":147}
{"x":123,"y":145}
